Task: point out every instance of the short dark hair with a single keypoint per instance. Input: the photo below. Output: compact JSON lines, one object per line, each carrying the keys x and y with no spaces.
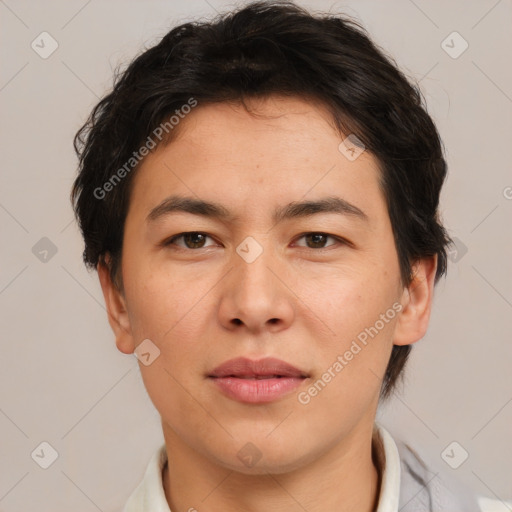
{"x":259,"y":50}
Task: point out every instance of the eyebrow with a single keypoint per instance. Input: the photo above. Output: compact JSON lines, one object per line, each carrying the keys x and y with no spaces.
{"x":331,"y":204}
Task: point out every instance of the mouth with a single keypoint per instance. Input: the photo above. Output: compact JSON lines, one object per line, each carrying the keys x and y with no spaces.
{"x":255,"y":377}
{"x":261,"y":381}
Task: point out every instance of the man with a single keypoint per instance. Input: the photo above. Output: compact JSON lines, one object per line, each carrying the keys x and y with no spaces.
{"x":259,"y":195}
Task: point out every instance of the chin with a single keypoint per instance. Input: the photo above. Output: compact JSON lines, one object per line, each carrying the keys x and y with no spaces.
{"x":265,"y":467}
{"x":260,"y":456}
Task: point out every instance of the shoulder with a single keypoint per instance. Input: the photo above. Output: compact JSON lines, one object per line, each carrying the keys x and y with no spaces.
{"x":424,"y":490}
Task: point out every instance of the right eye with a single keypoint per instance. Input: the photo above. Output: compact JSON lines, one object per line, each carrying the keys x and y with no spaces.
{"x":191,"y":240}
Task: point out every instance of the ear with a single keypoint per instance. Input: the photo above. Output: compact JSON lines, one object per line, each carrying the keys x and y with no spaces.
{"x":116,"y":309}
{"x":416,"y":303}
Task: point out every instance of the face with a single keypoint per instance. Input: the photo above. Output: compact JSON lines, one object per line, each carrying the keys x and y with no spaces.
{"x":259,"y":277}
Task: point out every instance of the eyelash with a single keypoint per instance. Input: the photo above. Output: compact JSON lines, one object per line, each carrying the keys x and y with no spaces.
{"x":170,"y":241}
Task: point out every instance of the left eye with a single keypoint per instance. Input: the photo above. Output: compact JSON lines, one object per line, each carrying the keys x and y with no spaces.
{"x":317,"y":240}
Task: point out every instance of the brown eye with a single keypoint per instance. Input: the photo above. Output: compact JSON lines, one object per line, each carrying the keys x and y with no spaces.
{"x":317,"y":240}
{"x":191,"y":240}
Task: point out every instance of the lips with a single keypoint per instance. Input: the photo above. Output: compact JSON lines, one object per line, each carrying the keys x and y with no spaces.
{"x":253,"y":382}
{"x":266,"y":368}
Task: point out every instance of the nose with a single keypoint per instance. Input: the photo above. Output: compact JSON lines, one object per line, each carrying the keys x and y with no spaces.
{"x":255,"y":297}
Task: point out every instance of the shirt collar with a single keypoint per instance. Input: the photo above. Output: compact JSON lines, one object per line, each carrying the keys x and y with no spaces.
{"x":149,"y":495}
{"x":388,"y":460}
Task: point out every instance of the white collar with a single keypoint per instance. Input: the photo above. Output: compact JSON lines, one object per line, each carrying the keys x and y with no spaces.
{"x":388,"y":460}
{"x":149,"y":495}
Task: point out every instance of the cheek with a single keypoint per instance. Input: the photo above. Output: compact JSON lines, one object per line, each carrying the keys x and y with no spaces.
{"x":160,"y":301}
{"x":346,"y":301}
{"x":173,"y":312}
{"x":360,"y":313}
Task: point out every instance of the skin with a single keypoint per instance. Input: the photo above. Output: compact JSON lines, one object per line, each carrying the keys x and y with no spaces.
{"x":300,"y":302}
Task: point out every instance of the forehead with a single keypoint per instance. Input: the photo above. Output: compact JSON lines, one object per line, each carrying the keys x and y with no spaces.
{"x":266,"y":126}
{"x":282,"y":150}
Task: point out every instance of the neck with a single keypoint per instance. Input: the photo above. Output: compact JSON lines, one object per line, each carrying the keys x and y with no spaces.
{"x":343,"y":479}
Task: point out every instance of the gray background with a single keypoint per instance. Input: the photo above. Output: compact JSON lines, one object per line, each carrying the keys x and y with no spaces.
{"x":62,"y":379}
